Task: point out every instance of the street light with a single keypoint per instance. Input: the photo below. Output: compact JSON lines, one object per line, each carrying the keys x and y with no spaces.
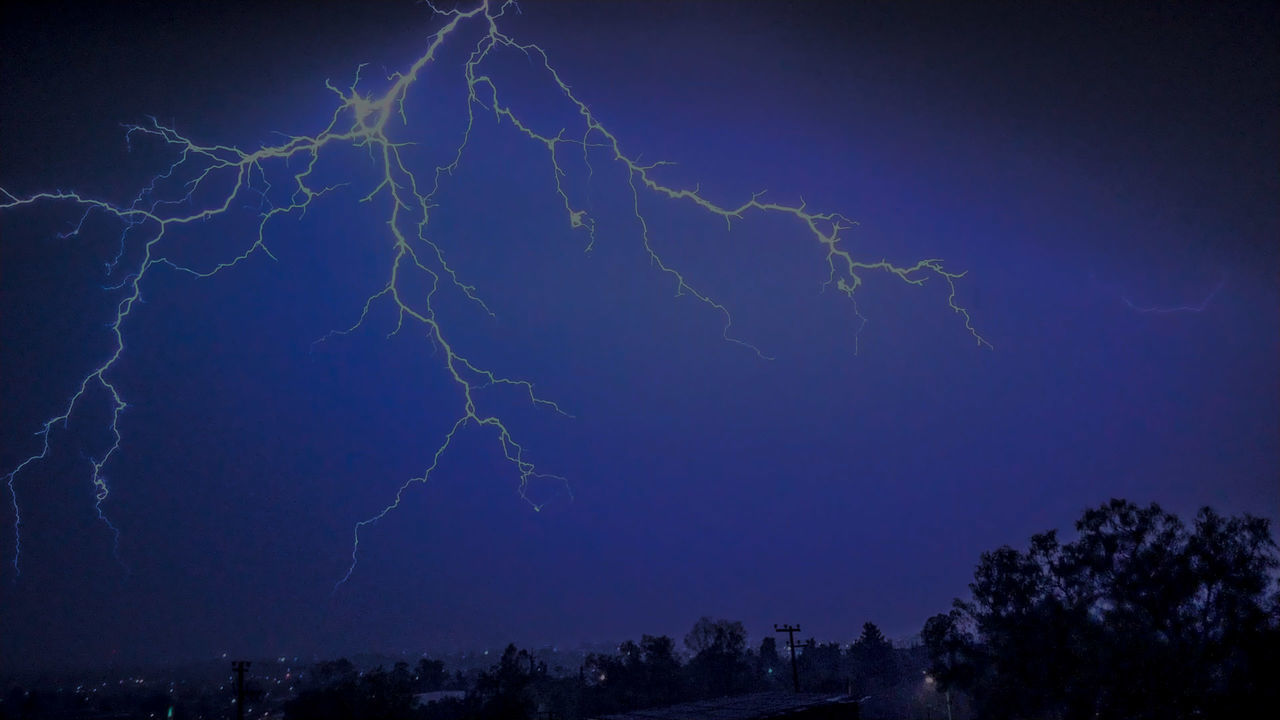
{"x":928,"y":680}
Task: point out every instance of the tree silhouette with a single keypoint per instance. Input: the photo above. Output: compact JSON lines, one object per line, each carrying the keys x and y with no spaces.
{"x":639,"y":676}
{"x":822,"y":668}
{"x":719,"y":665}
{"x":770,"y":667}
{"x":1138,"y":617}
{"x":429,"y":675}
{"x":504,"y":688}
{"x":334,"y":690}
{"x":871,"y":660}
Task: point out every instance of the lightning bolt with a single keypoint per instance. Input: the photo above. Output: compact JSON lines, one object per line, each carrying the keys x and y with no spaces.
{"x":220,"y":178}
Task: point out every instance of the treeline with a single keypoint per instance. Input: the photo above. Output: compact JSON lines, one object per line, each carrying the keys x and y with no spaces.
{"x":648,"y":673}
{"x":1140,"y":616}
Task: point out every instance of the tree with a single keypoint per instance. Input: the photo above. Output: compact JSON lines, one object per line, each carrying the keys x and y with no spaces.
{"x":640,"y":675}
{"x":871,"y":661}
{"x":429,"y":675}
{"x":953,"y":656}
{"x":821,"y":667}
{"x":661,"y":670}
{"x":720,"y":637}
{"x":719,"y":665}
{"x":335,"y":691}
{"x":1138,"y":617}
{"x":504,"y":688}
{"x":770,"y":668}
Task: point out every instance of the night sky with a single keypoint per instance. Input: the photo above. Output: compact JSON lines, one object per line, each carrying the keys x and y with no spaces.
{"x":1108,"y":179}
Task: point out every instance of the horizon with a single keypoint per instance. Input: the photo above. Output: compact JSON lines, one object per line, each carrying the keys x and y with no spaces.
{"x":480,"y":657}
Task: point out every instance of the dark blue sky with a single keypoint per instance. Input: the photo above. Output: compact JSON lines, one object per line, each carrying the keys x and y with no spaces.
{"x":1107,"y":178}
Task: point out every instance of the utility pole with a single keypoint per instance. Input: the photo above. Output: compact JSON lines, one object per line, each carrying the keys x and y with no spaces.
{"x":791,"y":631}
{"x":239,"y":667}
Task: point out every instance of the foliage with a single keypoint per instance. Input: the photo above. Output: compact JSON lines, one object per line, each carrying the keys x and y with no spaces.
{"x":430,"y":676}
{"x":505,"y":689}
{"x":336,"y":691}
{"x":872,"y":661}
{"x":719,"y":665}
{"x":645,"y":675}
{"x":1138,"y":617}
{"x":770,"y":669}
